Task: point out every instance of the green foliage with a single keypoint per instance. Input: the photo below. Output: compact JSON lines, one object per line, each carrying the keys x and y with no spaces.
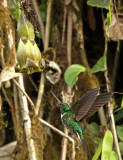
{"x":120,"y":132}
{"x":71,"y":74}
{"x":95,"y":128}
{"x":15,"y":10}
{"x":107,"y":145}
{"x":99,"y":66}
{"x":99,"y":3}
{"x":121,"y":147}
{"x":98,"y":152}
{"x":118,"y":116}
{"x":102,"y":4}
{"x":106,"y":148}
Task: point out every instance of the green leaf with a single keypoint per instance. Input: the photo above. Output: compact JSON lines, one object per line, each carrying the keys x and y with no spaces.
{"x":107,"y":145}
{"x":120,"y":132}
{"x":71,"y":74}
{"x":99,"y":3}
{"x":119,"y":115}
{"x":95,"y":127}
{"x":98,"y":152}
{"x":121,"y":147}
{"x":113,"y":156}
{"x":99,"y":66}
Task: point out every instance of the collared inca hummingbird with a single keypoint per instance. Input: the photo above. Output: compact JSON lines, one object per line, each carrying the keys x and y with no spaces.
{"x":85,"y":107}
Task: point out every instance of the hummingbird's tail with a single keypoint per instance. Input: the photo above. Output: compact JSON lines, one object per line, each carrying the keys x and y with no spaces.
{"x":81,"y":138}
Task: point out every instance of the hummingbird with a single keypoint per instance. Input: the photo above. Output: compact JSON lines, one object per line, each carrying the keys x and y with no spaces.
{"x":85,"y":107}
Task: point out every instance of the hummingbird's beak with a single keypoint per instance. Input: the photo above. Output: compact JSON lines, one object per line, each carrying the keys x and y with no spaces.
{"x":56,"y":98}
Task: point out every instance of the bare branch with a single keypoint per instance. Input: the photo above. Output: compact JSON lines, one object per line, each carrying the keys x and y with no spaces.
{"x":40,"y":94}
{"x":26,"y":121}
{"x":56,"y":130}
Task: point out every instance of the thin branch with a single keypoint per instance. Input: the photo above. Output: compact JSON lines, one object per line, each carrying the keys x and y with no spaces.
{"x":26,"y":121}
{"x":42,"y":79}
{"x":110,"y":108}
{"x":35,"y":5}
{"x":33,"y":83}
{"x":40,"y":94}
{"x":56,"y":130}
{"x":30,"y":101}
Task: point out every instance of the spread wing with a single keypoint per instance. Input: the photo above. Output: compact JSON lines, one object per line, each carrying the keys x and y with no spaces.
{"x":82,"y":106}
{"x":100,"y":101}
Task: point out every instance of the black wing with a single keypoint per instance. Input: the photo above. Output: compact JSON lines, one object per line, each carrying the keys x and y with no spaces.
{"x":100,"y":101}
{"x":82,"y":106}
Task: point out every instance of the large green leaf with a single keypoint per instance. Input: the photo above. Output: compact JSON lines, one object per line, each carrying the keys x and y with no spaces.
{"x":107,"y":145}
{"x":120,"y":132}
{"x":113,"y":156}
{"x":121,"y":147}
{"x":71,"y":74}
{"x":98,"y":152}
{"x":99,"y":66}
{"x":99,"y":3}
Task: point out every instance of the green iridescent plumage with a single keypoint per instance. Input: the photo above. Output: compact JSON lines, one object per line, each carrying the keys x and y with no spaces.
{"x":85,"y":107}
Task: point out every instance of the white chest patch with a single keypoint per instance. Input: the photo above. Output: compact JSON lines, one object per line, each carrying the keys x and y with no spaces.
{"x":62,"y":115}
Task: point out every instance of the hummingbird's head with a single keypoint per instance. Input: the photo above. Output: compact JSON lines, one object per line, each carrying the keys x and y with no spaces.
{"x":64,"y":106}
